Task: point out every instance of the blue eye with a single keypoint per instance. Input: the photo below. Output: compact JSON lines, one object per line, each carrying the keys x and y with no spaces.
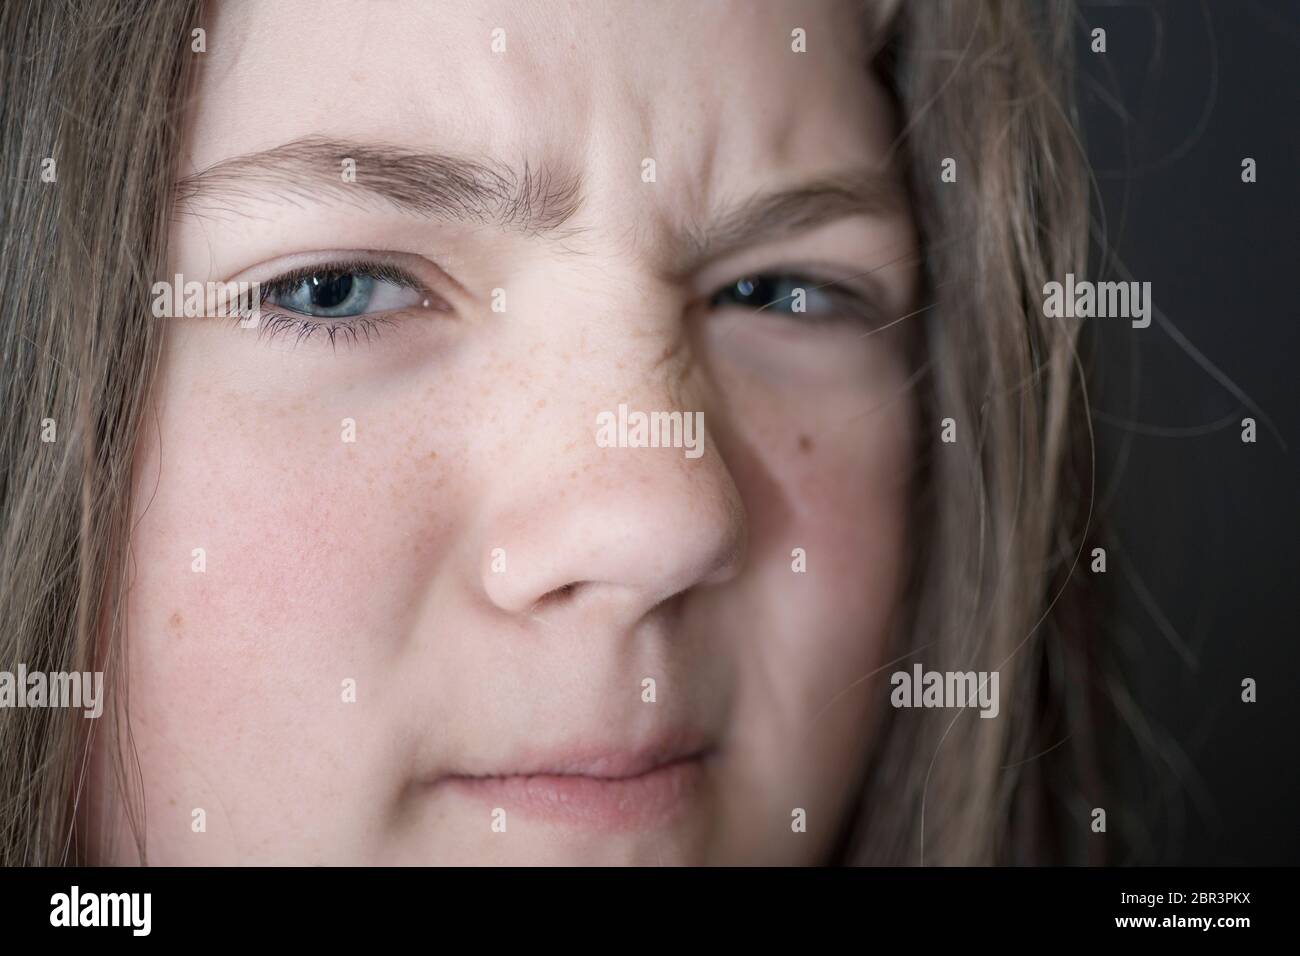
{"x":777,"y":292}
{"x":344,"y":301}
{"x":328,"y":295}
{"x":345,"y":291}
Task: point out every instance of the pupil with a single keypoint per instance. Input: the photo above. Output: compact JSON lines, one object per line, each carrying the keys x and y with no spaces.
{"x":331,"y":291}
{"x":759,"y":290}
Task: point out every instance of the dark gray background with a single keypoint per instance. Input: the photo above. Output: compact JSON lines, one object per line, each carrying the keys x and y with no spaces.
{"x":1202,"y":580}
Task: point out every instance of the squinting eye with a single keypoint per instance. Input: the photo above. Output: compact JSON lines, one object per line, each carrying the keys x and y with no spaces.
{"x":342,"y":293}
{"x":777,"y":292}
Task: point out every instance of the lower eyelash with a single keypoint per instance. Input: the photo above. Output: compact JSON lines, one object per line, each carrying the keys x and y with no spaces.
{"x":351,"y":330}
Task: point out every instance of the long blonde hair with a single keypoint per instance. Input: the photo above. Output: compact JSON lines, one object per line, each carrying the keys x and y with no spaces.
{"x":101,"y":89}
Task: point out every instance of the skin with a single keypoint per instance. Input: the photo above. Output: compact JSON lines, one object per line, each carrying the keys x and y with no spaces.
{"x":371,"y":560}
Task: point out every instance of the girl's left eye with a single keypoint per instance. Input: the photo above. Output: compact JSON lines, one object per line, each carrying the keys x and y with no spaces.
{"x":782,"y":293}
{"x":345,"y":292}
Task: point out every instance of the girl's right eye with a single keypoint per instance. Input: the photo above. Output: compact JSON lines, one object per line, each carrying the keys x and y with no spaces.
{"x":344,"y":292}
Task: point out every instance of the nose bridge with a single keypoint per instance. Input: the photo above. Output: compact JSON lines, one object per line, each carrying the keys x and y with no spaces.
{"x":632,"y":395}
{"x":619,"y":300}
{"x":621,"y":333}
{"x":625,"y":496}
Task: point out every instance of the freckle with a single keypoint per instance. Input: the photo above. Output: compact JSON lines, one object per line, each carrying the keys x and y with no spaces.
{"x":805,"y":444}
{"x":433,"y":456}
{"x":175,"y":624}
{"x":541,"y":403}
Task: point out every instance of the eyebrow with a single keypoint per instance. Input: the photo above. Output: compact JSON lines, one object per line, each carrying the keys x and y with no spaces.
{"x":771,"y":216}
{"x":434,"y":185}
{"x":531,"y":199}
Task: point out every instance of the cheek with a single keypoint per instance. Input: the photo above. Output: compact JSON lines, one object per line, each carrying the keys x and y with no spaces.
{"x":315,"y":517}
{"x":846,"y":505}
{"x":828,"y":472}
{"x":241,"y":539}
{"x":272,"y":562}
{"x":825,"y":478}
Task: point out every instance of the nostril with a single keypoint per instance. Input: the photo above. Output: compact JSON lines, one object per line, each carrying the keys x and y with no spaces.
{"x":554,"y":597}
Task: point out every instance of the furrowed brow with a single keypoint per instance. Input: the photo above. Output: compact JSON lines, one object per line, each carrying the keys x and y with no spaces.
{"x":769,"y":217}
{"x":429,"y":185}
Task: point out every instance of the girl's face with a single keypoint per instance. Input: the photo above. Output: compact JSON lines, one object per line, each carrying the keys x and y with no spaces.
{"x":443,"y":612}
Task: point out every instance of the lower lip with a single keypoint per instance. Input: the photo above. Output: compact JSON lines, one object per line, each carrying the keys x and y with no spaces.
{"x":626,"y":803}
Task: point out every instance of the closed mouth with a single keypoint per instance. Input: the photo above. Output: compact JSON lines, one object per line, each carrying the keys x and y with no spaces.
{"x":606,"y":790}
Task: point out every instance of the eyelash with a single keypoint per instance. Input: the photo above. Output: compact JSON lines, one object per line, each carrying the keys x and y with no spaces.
{"x":275,"y":323}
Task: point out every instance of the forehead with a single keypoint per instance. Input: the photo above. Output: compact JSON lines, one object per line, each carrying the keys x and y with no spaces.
{"x":713,"y":92}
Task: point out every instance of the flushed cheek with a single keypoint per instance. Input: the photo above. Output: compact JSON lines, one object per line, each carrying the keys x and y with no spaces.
{"x":276,"y":734}
{"x":301,"y":517}
{"x":233,"y":720}
{"x":272,"y":569}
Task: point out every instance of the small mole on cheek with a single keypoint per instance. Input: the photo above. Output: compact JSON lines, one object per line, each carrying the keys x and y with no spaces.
{"x":805,"y":444}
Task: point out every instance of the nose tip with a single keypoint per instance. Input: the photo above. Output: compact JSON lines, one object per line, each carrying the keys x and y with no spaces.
{"x":627,"y":532}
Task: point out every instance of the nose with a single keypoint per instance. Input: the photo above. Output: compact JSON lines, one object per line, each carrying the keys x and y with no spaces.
{"x":612,"y":530}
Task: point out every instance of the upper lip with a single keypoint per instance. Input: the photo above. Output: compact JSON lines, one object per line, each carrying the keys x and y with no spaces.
{"x":600,"y":761}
